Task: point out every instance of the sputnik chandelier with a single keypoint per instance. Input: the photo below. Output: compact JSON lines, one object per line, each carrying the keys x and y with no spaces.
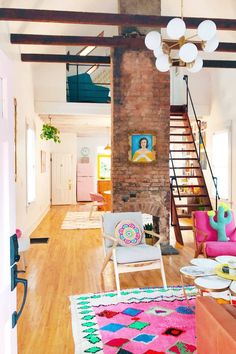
{"x":188,"y":52}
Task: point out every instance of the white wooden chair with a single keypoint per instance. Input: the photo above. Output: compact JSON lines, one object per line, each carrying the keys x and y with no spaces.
{"x":129,"y":258}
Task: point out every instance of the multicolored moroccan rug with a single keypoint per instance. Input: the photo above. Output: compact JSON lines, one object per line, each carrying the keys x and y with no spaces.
{"x":140,"y":321}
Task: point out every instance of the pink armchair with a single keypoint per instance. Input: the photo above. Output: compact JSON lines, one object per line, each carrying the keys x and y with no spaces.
{"x":205,"y":237}
{"x":97,"y":201}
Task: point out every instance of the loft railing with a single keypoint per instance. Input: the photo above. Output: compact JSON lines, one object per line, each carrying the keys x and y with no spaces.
{"x":82,"y":85}
{"x":201,"y":141}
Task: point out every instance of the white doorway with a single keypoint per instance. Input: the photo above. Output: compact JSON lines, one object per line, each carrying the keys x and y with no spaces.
{"x":62,"y":179}
{"x":8,"y":341}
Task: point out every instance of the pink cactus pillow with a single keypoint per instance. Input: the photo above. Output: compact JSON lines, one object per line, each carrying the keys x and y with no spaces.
{"x":128,"y":233}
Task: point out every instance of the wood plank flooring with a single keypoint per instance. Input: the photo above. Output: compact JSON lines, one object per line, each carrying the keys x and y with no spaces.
{"x":70,"y":264}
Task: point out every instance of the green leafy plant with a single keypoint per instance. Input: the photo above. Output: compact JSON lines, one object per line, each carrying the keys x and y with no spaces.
{"x":49,"y":132}
{"x":148,"y":227}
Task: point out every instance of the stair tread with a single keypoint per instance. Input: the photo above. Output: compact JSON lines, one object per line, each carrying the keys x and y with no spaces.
{"x":191,"y":195}
{"x":191,"y":185}
{"x":183,"y":150}
{"x":180,"y":118}
{"x":178,"y":108}
{"x":186,"y":176}
{"x":186,"y":168}
{"x":180,"y":126}
{"x":186,"y":228}
{"x":184,"y":158}
{"x":184,"y":216}
{"x":180,"y":134}
{"x":191,"y":205}
{"x":181,"y":142}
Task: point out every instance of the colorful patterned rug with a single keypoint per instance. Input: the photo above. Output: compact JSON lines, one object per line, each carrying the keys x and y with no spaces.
{"x":141,"y":321}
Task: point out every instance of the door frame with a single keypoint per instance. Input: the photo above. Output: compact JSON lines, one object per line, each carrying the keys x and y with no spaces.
{"x":8,"y":336}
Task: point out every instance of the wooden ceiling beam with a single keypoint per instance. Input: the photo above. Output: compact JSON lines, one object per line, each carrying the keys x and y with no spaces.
{"x":77,"y":40}
{"x":98,"y":18}
{"x":222,"y":47}
{"x":60,"y":58}
{"x":227,"y":64}
{"x":223,"y":64}
{"x":76,"y":59}
{"x":132,"y":43}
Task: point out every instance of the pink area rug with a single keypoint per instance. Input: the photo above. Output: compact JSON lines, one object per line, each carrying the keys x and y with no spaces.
{"x":140,"y":321}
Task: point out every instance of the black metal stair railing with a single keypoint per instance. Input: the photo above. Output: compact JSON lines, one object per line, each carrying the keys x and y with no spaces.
{"x":174,"y":177}
{"x":201,"y":141}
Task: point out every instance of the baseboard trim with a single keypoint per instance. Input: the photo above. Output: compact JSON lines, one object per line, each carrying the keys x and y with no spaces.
{"x":32,"y":227}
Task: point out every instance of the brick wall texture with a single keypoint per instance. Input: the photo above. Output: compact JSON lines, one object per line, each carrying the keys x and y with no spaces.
{"x":141,"y":102}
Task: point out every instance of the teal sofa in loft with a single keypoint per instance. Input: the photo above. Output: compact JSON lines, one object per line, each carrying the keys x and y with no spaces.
{"x":80,"y":88}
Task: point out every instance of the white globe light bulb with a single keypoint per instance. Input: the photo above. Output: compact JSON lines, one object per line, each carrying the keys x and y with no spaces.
{"x":158,"y":51}
{"x":176,"y":28}
{"x":153,"y":40}
{"x":162,"y":63}
{"x":197,"y":66}
{"x":188,"y":52}
{"x":206,"y":30}
{"x":211,"y":45}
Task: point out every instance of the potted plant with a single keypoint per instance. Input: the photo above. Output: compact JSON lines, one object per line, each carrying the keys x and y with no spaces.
{"x":148,"y":238}
{"x":49,"y":132}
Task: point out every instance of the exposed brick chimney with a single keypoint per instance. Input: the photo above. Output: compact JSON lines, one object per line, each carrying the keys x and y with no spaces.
{"x":140,"y":102}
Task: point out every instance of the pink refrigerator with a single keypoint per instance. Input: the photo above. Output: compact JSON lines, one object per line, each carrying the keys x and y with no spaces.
{"x":85,"y":181}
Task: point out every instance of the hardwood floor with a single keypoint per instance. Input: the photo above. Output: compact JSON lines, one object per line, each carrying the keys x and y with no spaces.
{"x":70,"y":264}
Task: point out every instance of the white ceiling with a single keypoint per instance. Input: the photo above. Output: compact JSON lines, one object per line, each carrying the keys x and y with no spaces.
{"x":193,"y":8}
{"x":82,"y":125}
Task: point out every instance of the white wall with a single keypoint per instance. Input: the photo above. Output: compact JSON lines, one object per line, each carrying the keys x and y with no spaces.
{"x":49,"y":82}
{"x":68,"y":145}
{"x":29,"y":216}
{"x":200,"y":88}
{"x":223,"y":116}
{"x":92,"y":143}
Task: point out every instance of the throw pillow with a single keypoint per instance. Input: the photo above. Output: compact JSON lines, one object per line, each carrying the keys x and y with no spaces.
{"x":128,"y":233}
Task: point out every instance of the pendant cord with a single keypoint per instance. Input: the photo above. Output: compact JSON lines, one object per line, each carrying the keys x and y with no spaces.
{"x":182,"y":9}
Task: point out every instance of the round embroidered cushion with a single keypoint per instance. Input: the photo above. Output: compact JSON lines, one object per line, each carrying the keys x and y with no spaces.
{"x":128,"y":233}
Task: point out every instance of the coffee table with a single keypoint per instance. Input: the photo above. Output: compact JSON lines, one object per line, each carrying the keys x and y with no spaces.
{"x":203,"y":273}
{"x":232,"y":288}
{"x":192,"y":272}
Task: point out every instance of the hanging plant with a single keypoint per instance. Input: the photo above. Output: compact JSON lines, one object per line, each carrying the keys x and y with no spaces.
{"x":49,"y":132}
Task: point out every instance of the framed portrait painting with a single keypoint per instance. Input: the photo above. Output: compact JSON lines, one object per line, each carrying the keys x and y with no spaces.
{"x":142,"y":147}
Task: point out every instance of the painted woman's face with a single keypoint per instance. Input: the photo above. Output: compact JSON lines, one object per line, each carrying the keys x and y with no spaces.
{"x":143,"y":144}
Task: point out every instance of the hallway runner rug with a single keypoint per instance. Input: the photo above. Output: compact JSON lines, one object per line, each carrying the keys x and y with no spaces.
{"x":140,"y":321}
{"x":80,"y":220}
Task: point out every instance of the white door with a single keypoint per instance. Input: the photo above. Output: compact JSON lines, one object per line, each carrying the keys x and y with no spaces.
{"x":62,"y":191}
{"x":8,"y":341}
